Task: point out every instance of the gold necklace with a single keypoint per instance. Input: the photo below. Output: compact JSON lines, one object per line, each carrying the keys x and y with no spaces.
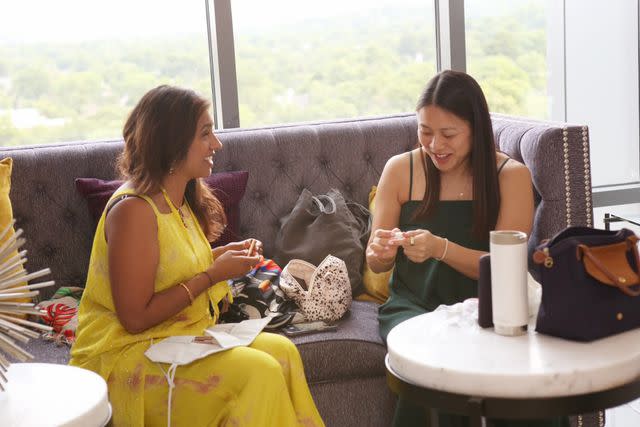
{"x":179,"y":209}
{"x":462,"y":193}
{"x":464,"y":190}
{"x":182,"y":217}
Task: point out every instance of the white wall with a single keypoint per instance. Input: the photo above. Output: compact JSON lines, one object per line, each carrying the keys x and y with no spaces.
{"x":602,"y":84}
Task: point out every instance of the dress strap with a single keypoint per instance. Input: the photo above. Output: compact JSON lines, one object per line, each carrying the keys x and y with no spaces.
{"x":178,"y":212}
{"x":117,"y":200}
{"x":169,"y":202}
{"x":410,"y":153}
{"x":125,"y":194}
{"x":503,"y":163}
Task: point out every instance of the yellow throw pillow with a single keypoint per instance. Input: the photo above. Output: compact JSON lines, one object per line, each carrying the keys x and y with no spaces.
{"x":6,"y":212}
{"x":376,"y":285}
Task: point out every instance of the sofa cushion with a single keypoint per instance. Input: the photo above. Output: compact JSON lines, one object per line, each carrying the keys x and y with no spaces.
{"x":229,"y":187}
{"x":97,"y":192}
{"x":354,"y":350}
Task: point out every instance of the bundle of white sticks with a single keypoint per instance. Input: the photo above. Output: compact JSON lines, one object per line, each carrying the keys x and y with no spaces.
{"x":14,"y":285}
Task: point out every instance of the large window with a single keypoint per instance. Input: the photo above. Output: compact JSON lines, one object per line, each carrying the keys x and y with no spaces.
{"x":572,"y":61}
{"x":300,"y":61}
{"x":601,"y":60}
{"x":72,"y":70}
{"x":506,"y":44}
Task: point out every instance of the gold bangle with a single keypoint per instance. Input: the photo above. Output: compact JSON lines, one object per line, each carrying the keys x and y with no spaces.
{"x":444,"y":253}
{"x":186,"y":288}
{"x":206,"y":273}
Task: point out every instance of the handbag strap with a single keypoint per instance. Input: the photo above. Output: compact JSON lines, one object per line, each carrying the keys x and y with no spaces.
{"x":621,"y":283}
{"x":318,"y":204}
{"x":318,"y":201}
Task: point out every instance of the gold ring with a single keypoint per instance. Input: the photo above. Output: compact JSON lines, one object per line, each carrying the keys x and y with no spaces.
{"x":412,"y":241}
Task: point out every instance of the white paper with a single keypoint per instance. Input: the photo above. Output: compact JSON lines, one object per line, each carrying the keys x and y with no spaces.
{"x":182,"y":350}
{"x":230,"y":335}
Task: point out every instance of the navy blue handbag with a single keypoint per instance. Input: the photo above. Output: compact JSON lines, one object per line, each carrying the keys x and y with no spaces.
{"x":590,"y":283}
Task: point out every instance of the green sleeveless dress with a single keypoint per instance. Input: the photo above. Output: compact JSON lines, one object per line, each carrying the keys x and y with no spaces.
{"x":419,"y":288}
{"x":416,"y":289}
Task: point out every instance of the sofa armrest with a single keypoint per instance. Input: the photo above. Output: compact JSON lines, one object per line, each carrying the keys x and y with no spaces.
{"x":557,"y":154}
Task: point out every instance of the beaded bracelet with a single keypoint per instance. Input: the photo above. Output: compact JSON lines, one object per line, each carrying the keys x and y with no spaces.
{"x":186,"y":288}
{"x":446,"y":247}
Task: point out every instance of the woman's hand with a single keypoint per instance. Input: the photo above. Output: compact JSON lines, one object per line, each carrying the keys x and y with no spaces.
{"x":239,"y":246}
{"x":233,"y":263}
{"x":246,"y":244}
{"x":384,"y":245}
{"x":420,"y":245}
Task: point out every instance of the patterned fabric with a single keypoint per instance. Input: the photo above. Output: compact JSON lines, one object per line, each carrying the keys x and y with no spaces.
{"x":326,"y":293}
{"x":257,"y":295}
{"x":263,"y":384}
{"x":266,"y":269}
{"x":62,"y":314}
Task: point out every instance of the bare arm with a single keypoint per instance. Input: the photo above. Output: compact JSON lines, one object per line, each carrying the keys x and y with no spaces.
{"x":461,"y":258}
{"x":516,"y":198}
{"x":133,"y":253}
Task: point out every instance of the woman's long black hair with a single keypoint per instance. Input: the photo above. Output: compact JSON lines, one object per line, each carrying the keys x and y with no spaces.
{"x":459,"y":94}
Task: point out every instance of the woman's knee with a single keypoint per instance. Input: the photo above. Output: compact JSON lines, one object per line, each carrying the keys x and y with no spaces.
{"x":274,"y":344}
{"x":269,"y":370}
{"x":257,"y":362}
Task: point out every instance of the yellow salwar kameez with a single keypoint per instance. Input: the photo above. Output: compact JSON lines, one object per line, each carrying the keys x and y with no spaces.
{"x":260,"y":385}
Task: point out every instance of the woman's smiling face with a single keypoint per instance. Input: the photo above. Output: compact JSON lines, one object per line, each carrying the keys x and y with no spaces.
{"x":199,"y":160}
{"x":445,"y":138}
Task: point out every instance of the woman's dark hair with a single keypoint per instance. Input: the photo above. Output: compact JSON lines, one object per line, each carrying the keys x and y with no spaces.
{"x":158,"y":134}
{"x":459,"y":94}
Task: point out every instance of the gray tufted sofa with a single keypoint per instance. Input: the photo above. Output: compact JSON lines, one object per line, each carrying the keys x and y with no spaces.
{"x":345,"y":369}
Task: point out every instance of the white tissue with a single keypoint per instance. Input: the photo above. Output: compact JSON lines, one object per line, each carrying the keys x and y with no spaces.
{"x":465,"y":314}
{"x":534,"y":295}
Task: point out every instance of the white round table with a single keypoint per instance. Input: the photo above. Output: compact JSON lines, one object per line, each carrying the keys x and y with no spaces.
{"x":41,"y":394}
{"x":447,"y":354}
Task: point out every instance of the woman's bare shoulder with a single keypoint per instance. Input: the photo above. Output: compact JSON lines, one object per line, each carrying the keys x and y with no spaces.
{"x":131,"y":213}
{"x":514,"y":174}
{"x":399,"y":160}
{"x":509,"y":163}
{"x":396,"y":170}
{"x":126,"y":186}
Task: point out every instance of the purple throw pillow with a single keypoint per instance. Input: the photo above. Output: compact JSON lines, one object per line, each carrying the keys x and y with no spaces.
{"x":229,"y":187}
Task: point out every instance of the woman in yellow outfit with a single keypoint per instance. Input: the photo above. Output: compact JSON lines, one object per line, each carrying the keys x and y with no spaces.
{"x":153,"y":275}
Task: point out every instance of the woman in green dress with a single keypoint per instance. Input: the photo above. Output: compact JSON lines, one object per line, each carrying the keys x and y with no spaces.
{"x":435,"y":207}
